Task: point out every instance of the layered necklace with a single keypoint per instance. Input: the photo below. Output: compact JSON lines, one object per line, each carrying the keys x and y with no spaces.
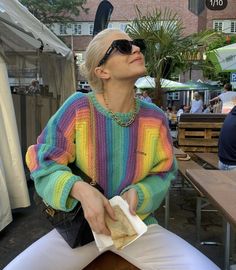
{"x":116,"y":118}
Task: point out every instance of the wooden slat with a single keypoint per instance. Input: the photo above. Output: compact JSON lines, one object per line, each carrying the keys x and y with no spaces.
{"x":210,"y":158}
{"x":199,"y":125}
{"x":179,"y":153}
{"x":199,"y":149}
{"x":198,"y":142}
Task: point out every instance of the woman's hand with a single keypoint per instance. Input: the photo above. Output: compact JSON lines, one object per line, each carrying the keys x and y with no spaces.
{"x":131,"y":197}
{"x":94,"y":206}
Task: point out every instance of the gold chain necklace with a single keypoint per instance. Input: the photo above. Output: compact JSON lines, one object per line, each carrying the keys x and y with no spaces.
{"x":117,"y":119}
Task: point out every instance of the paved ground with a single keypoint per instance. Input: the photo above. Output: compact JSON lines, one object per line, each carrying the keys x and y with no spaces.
{"x":28,"y":226}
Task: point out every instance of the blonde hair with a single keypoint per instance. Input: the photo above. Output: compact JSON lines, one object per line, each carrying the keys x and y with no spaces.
{"x":93,"y":54}
{"x":196,"y":95}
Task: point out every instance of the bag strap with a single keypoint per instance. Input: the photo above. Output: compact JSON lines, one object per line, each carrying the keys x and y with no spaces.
{"x":77,"y":171}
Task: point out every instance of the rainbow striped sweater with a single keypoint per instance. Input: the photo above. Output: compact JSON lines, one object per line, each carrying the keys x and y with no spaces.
{"x":139,"y":156}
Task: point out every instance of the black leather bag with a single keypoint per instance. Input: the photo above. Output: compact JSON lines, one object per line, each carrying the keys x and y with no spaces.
{"x":72,"y":225}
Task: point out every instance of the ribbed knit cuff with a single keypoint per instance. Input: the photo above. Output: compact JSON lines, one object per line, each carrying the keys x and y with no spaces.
{"x":139,"y":193}
{"x":67,"y":202}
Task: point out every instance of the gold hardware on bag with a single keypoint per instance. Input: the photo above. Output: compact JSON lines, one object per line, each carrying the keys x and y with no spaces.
{"x":93,"y":183}
{"x":50,"y":211}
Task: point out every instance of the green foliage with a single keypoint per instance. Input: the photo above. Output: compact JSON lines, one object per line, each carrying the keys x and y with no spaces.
{"x":161,"y":32}
{"x":168,"y":51}
{"x":51,"y":11}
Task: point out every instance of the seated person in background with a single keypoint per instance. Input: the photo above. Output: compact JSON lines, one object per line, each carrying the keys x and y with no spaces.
{"x":228,"y":98}
{"x":168,"y":114}
{"x":122,"y":143}
{"x":179,"y":112}
{"x":207,"y":108}
{"x":196,"y":104}
{"x":146,"y":97}
{"x":227,"y":142}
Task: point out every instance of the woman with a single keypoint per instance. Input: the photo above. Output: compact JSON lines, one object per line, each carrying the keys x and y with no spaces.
{"x":122,"y":143}
{"x":228,"y":98}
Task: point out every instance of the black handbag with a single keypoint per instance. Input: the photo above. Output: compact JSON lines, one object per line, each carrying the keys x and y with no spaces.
{"x":72,"y":225}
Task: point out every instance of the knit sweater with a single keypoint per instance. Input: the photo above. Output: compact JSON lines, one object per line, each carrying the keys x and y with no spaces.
{"x":139,"y":156}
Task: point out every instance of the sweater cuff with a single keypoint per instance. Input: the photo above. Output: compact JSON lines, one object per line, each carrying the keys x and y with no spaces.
{"x":139,"y":193}
{"x":67,"y":202}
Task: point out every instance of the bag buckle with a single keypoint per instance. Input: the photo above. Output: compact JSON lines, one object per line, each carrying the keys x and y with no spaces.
{"x":50,"y":211}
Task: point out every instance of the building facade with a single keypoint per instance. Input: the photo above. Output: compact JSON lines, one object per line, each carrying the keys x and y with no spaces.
{"x":194,"y":14}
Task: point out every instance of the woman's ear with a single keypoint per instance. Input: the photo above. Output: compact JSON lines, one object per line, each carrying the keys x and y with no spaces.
{"x":102,"y":73}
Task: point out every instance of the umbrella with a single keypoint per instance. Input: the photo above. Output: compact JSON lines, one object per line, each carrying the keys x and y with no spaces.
{"x":224,"y":58}
{"x":149,"y":82}
{"x":201,"y":86}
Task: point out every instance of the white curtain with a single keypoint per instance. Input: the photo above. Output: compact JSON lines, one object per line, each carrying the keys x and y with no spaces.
{"x":58,"y":74}
{"x":13,"y":186}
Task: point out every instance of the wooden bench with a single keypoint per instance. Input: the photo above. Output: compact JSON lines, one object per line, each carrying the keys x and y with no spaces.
{"x":202,"y":201}
{"x":179,"y":153}
{"x":209,"y":159}
{"x":199,"y":132}
{"x":109,"y":260}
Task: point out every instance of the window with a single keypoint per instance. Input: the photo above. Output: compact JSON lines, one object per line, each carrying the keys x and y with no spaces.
{"x":79,"y":58}
{"x":233,"y":27}
{"x":109,"y":25}
{"x":218,"y":26}
{"x":123,"y":26}
{"x":91,"y":29}
{"x":63,"y":29}
{"x":173,"y":96}
{"x":77,"y":29}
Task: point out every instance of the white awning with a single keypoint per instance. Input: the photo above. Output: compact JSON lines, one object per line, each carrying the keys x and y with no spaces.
{"x":19,"y":26}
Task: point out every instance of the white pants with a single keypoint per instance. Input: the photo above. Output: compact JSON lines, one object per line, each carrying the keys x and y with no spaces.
{"x":158,"y":249}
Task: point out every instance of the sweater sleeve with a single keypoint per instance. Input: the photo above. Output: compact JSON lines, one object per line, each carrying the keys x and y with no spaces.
{"x":47,"y":160}
{"x":152,"y":189}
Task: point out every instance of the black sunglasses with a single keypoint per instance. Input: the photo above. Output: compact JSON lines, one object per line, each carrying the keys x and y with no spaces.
{"x":124,"y":46}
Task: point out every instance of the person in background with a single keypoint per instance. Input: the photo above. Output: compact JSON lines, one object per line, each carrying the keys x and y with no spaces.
{"x":139,"y":94}
{"x":196,"y":104}
{"x":146,"y":97}
{"x":34,"y":88}
{"x":227,"y":142}
{"x":207,"y":108}
{"x":121,"y":142}
{"x":228,"y":98}
{"x":179,"y":112}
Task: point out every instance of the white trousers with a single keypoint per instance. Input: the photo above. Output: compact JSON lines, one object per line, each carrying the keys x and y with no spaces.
{"x":158,"y":249}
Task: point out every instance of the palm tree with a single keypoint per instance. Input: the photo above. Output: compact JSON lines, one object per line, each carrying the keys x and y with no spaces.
{"x":167,"y":49}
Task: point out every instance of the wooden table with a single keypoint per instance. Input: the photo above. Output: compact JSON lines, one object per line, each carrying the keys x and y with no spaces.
{"x":220,"y":188}
{"x":179,"y":153}
{"x":209,"y":159}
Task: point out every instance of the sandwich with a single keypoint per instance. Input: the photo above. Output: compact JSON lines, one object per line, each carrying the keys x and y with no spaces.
{"x":122,"y":231}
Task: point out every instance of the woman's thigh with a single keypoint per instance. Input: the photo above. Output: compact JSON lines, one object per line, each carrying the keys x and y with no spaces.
{"x":51,"y":252}
{"x":159,"y":249}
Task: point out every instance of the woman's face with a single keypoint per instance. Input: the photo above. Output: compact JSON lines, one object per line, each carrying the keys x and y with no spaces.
{"x":122,"y":66}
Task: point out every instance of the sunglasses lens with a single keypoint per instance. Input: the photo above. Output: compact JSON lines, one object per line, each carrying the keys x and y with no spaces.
{"x":140,"y":43}
{"x":123,"y":46}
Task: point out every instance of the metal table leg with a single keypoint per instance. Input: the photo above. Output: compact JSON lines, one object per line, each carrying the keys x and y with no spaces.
{"x":227,"y":245}
{"x":167,"y":209}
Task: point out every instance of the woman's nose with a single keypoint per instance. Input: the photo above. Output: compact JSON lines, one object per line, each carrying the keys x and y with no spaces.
{"x":135,"y":49}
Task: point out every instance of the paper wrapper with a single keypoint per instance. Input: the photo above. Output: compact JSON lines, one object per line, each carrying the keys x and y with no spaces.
{"x":104,"y":241}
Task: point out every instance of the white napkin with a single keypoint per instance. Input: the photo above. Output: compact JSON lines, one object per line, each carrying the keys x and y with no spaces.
{"x":104,"y":241}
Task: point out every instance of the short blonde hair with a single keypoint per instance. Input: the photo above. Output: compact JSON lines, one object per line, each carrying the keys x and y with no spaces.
{"x":196,"y":95}
{"x":93,"y":54}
